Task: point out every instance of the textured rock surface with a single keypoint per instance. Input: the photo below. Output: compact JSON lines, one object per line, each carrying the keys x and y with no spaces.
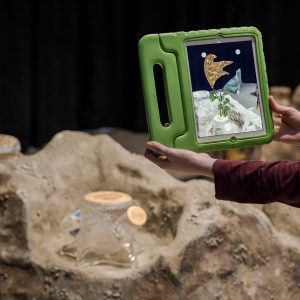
{"x":282,"y":94}
{"x":296,"y":97}
{"x":280,"y":151}
{"x":204,"y":248}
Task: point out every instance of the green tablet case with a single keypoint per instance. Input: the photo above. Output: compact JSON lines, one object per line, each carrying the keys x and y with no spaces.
{"x":212,"y":80}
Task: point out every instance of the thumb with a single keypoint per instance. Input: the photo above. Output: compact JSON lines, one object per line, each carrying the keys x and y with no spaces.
{"x":280,"y":109}
{"x":158,"y":148}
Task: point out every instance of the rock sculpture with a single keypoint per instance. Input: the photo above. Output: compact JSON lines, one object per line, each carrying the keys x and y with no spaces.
{"x":194,"y":247}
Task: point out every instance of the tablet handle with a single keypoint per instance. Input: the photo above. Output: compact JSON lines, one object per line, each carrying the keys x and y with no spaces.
{"x":151,"y":54}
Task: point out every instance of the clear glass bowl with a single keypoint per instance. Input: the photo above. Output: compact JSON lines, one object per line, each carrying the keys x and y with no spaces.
{"x":105,"y":232}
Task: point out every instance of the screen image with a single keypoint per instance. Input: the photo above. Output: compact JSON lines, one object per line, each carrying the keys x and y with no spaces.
{"x":225,"y":87}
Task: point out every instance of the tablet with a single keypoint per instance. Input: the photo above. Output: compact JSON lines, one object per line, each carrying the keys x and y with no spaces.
{"x":214,"y":89}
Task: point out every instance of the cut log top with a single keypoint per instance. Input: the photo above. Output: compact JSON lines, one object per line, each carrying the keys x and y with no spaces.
{"x":108,"y":197}
{"x":9,"y":144}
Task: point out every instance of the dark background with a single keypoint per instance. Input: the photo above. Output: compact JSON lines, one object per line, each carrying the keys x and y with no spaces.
{"x":70,"y":64}
{"x":224,"y":51}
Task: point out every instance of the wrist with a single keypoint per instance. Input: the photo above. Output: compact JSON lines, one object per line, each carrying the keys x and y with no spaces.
{"x":205,"y":167}
{"x":209,"y":167}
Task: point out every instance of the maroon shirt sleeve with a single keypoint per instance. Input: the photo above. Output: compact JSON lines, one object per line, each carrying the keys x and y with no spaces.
{"x":258,"y":181}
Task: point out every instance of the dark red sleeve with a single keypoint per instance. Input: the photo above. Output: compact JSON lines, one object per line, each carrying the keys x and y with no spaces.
{"x":257,"y":181}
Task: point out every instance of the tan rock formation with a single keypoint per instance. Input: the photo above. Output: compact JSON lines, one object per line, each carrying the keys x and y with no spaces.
{"x":296,"y":97}
{"x":194,"y":247}
{"x":282,"y":94}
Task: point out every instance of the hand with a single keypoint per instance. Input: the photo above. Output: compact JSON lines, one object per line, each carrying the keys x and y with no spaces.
{"x":179,"y":159}
{"x":286,"y":123}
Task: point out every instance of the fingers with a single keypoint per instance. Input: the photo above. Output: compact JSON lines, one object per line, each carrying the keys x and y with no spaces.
{"x":150,"y":155}
{"x":160,"y":161}
{"x":277,"y":130}
{"x":277,"y":119}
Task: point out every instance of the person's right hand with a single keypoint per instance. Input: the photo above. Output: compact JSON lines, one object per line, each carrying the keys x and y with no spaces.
{"x":286,"y":123}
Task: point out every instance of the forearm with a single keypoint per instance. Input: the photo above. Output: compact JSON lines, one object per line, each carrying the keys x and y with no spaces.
{"x":257,"y":182}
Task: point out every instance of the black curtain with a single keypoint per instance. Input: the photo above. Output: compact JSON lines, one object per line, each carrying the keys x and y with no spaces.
{"x":70,"y":64}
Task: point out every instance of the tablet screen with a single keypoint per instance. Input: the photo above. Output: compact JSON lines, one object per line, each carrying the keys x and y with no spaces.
{"x":225,"y":88}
